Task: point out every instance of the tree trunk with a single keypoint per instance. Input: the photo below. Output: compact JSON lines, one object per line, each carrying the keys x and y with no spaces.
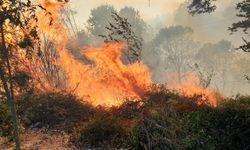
{"x":9,"y":91}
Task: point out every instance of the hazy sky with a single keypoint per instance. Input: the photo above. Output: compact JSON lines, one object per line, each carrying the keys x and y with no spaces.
{"x":157,"y":7}
{"x":209,"y":28}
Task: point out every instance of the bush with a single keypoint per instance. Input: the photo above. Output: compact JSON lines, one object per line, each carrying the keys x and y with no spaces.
{"x":170,"y":121}
{"x":224,"y":127}
{"x":165,"y":120}
{"x":155,"y":133}
{"x":128,"y":110}
{"x":102,"y":131}
{"x":158,"y":126}
{"x":5,"y":120}
{"x":195,"y":130}
{"x":6,"y":127}
{"x":52,"y":110}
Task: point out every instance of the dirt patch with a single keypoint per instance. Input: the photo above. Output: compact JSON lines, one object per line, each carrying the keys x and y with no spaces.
{"x":39,"y":139}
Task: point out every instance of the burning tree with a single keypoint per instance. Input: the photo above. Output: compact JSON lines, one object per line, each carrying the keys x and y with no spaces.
{"x":19,"y":37}
{"x":121,"y":30}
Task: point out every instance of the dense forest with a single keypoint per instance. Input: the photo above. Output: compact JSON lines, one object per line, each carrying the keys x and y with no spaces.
{"x":119,"y":80}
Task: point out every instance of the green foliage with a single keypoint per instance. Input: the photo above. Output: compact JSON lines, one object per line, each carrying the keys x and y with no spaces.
{"x":201,"y":6}
{"x":102,"y":130}
{"x":225,"y":127}
{"x":158,"y":131}
{"x":98,"y":19}
{"x":21,"y":78}
{"x":158,"y":126}
{"x":207,"y":6}
{"x":165,"y":120}
{"x":169,"y":121}
{"x":139,"y":26}
{"x":195,"y":131}
{"x":5,"y":120}
{"x":244,"y":13}
{"x":21,"y":14}
{"x":6,"y":128}
{"x":52,"y":110}
{"x":26,"y":43}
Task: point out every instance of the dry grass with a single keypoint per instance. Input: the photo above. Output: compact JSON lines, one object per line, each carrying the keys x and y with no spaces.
{"x":39,"y":139}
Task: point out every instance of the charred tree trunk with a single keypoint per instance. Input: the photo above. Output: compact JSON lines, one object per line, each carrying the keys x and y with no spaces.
{"x":9,"y":90}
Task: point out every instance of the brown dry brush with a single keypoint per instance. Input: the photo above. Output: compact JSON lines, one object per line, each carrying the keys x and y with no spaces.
{"x":20,"y":16}
{"x":205,"y":77}
{"x":48,"y":57}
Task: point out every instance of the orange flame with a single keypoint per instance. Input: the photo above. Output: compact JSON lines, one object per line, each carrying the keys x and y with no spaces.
{"x":190,"y":87}
{"x":105,"y":82}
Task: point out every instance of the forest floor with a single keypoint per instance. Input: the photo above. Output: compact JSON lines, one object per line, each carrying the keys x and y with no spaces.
{"x":40,"y":139}
{"x":165,"y":120}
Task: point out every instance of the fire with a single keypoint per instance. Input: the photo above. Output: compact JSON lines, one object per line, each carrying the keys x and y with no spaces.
{"x":106,"y":81}
{"x":190,"y":87}
{"x":51,"y":24}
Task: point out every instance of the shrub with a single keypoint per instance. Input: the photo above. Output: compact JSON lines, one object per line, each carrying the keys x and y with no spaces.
{"x":52,"y":110}
{"x":6,"y":128}
{"x":5,"y":120}
{"x":195,"y":127}
{"x":155,"y":133}
{"x":224,"y":127}
{"x":128,"y":110}
{"x":103,"y":130}
{"x":158,"y":126}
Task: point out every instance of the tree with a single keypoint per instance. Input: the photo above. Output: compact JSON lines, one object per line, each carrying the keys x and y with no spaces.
{"x":218,"y":58}
{"x":201,"y":6}
{"x":138,"y":25}
{"x":127,"y":26}
{"x":17,"y":31}
{"x":174,"y":49}
{"x":99,"y":19}
{"x":207,"y":6}
{"x":204,"y":76}
{"x":121,"y":31}
{"x":244,"y":13}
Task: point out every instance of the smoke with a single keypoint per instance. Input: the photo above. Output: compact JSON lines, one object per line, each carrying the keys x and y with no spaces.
{"x":157,"y":7}
{"x":210,"y":27}
{"x":164,"y":52}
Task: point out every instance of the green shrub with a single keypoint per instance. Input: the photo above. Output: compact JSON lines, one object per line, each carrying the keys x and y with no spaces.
{"x":6,"y":128}
{"x":196,"y":126}
{"x":103,"y":130}
{"x":52,"y":110}
{"x":165,"y":120}
{"x":155,"y":133}
{"x":5,"y":120}
{"x":157,"y":128}
{"x":224,"y":127}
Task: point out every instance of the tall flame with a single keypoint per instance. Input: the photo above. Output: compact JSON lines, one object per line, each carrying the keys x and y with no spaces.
{"x":107,"y":81}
